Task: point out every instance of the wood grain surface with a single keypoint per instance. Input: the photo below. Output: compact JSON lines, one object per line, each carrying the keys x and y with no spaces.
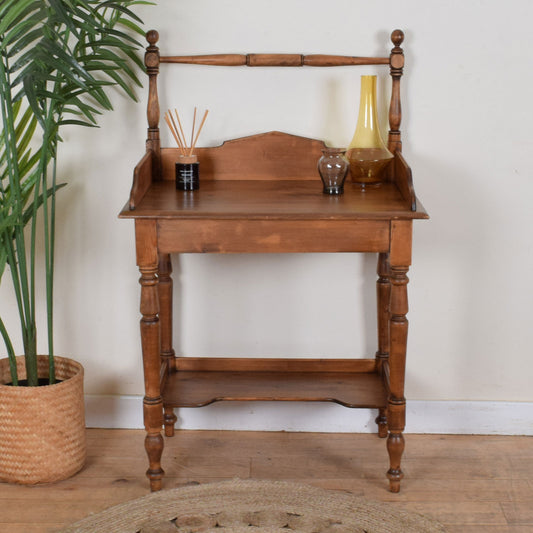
{"x":471,"y":484}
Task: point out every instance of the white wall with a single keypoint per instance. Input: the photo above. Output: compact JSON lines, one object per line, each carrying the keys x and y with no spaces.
{"x":467,"y":136}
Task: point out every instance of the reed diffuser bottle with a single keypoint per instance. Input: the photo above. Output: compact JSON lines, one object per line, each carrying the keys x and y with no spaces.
{"x":187,"y":166}
{"x":367,"y":152}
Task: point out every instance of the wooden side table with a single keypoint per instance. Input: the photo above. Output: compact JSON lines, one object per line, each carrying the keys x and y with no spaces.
{"x":262,"y":194}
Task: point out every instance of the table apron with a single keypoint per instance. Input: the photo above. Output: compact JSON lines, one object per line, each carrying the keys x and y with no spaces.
{"x":272,"y":236}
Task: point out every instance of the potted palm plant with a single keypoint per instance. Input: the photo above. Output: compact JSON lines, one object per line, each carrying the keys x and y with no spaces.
{"x":58,"y":61}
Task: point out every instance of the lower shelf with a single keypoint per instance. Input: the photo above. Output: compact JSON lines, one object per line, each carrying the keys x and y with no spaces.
{"x":185,"y":388}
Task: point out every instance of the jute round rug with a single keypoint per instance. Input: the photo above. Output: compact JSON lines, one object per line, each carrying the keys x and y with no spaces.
{"x":250,"y":506}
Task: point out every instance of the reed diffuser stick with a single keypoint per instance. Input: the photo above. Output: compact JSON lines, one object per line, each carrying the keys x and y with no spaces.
{"x":181,"y":140}
{"x":181,"y":128}
{"x":173,"y":131}
{"x":193,"y":124}
{"x":193,"y":144}
{"x":179,"y":134}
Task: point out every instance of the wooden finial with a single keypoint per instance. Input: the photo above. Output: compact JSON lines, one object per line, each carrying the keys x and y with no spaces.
{"x":397,"y":38}
{"x":395,"y":111}
{"x":151,"y":62}
{"x":152,"y":37}
{"x":151,"y":58}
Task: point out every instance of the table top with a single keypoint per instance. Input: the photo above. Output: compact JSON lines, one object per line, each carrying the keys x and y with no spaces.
{"x":272,"y":200}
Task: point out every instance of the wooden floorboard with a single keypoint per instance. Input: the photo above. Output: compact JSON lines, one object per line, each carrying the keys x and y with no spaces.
{"x":472,"y":484}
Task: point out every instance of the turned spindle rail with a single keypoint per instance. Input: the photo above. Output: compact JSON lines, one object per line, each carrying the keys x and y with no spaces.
{"x":249,"y":203}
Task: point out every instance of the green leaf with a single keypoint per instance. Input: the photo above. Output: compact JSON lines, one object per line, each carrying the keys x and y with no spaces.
{"x":132,"y":26}
{"x":115,"y":63}
{"x":116,"y":6}
{"x":122,"y":83}
{"x":7,"y":222}
{"x":22,"y":35}
{"x":83,"y":108}
{"x":77,"y":18}
{"x":32,"y":99}
{"x":14,"y":11}
{"x":100,"y":96}
{"x":25,"y":130}
{"x":28,"y":214}
{"x":74,"y":122}
{"x":63,"y":16}
{"x":134,"y":56}
{"x":3,"y":259}
{"x":122,"y":36}
{"x":27,"y":165}
{"x":64,"y":62}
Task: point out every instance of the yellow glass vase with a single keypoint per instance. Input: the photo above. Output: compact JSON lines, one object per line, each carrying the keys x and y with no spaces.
{"x":367,"y":152}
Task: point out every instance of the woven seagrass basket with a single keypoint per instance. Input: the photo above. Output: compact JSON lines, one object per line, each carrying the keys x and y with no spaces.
{"x":42,"y":429}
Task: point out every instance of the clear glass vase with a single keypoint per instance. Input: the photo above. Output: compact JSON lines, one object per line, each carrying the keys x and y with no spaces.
{"x":333,"y":168}
{"x":367,"y":152}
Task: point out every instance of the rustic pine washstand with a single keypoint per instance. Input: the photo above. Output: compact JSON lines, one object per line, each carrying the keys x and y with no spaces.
{"x":254,"y":200}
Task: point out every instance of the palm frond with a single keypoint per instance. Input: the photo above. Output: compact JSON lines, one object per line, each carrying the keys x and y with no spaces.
{"x":58,"y":61}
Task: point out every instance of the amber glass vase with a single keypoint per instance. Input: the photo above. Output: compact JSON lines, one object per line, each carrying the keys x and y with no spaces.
{"x":367,"y":152}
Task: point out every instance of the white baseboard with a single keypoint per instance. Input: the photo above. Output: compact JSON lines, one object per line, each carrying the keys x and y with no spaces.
{"x":445,"y":417}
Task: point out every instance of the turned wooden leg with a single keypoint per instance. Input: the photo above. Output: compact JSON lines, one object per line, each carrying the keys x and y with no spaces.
{"x":399,"y":261}
{"x":146,"y":237}
{"x":383,"y":288}
{"x":153,"y":442}
{"x":381,"y":421}
{"x":169,"y":419}
{"x":395,"y":447}
{"x":153,"y":403}
{"x":398,"y":344}
{"x":165,"y":320}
